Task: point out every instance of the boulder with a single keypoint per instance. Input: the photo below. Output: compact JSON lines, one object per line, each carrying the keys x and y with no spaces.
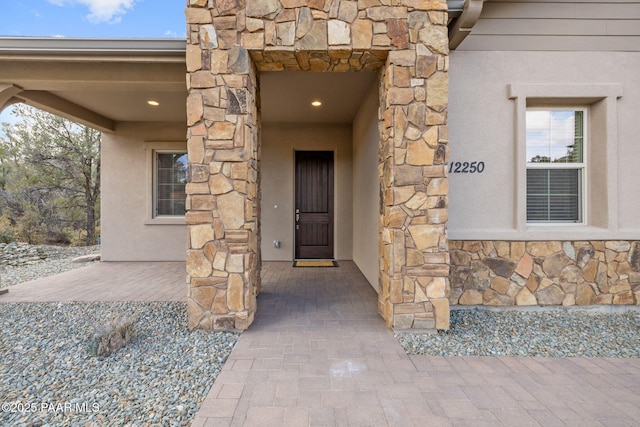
{"x":86,"y":258}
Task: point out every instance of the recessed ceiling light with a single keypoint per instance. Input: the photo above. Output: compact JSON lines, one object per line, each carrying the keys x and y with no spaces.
{"x":316,"y":103}
{"x":153,"y":103}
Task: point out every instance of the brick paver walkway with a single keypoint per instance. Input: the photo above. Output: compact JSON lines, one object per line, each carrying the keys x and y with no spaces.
{"x":107,"y":281}
{"x":318,"y":354}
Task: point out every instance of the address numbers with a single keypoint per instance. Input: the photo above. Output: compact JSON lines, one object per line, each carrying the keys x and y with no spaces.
{"x":466,"y":167}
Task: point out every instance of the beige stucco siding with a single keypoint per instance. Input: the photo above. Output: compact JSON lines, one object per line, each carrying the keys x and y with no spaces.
{"x":565,"y":25}
{"x":279,"y":143}
{"x":483,"y":127}
{"x":127,"y":233}
{"x":366,"y":188}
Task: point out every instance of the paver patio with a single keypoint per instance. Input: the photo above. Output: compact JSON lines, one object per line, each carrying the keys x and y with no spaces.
{"x":318,"y":354}
{"x":107,"y":281}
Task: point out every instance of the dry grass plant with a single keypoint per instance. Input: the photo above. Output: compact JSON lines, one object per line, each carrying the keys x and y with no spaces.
{"x":111,"y":336}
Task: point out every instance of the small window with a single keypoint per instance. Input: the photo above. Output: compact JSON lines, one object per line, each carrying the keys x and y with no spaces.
{"x":556,"y":168}
{"x":170,"y":178}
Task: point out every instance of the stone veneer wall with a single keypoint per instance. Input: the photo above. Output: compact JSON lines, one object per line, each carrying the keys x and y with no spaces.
{"x":414,"y":186}
{"x":229,"y":42}
{"x":500,"y":273}
{"x":223,"y":239}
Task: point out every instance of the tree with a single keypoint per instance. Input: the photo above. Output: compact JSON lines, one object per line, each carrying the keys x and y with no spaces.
{"x":50,"y":176}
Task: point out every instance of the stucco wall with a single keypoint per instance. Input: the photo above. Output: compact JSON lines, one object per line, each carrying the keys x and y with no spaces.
{"x":126,"y":195}
{"x":366,"y":189}
{"x":482,"y":122}
{"x":279,"y":142}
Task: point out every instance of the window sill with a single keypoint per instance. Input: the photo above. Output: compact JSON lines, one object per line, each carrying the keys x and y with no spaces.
{"x":557,"y":229}
{"x":165,"y":220}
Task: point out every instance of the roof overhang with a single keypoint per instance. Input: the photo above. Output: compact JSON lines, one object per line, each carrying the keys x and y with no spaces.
{"x":100,"y":82}
{"x":96,"y":82}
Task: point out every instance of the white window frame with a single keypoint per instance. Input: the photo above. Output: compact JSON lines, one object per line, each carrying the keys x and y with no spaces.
{"x":583,"y":191}
{"x":600,"y":205}
{"x":152,"y":149}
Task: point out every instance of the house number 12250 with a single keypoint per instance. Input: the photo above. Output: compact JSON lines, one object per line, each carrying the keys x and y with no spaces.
{"x":466,"y":167}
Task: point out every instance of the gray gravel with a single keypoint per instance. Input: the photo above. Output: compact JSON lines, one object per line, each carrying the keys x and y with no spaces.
{"x":556,"y":333}
{"x":58,"y":261}
{"x":160,"y":378}
{"x":47,"y":376}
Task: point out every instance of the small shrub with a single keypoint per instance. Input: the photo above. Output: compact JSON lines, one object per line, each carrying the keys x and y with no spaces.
{"x":57,"y":237}
{"x":79,"y":238}
{"x":111,"y":336}
{"x":29,"y":228}
{"x":7,"y":230}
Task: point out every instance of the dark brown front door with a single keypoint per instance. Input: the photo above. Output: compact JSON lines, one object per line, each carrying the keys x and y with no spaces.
{"x":314,"y":204}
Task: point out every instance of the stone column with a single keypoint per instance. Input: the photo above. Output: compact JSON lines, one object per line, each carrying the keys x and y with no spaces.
{"x":316,"y":35}
{"x":414,"y":264}
{"x":222,"y":193}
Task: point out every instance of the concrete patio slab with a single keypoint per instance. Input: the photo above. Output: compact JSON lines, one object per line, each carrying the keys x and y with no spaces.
{"x":107,"y":281}
{"x":318,"y":354}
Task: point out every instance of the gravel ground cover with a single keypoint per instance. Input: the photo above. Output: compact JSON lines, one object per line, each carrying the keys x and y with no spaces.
{"x":58,"y":260}
{"x":47,"y":376}
{"x":554,"y":333}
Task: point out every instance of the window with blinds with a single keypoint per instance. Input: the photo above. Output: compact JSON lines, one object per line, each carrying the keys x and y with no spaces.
{"x":555,"y":165}
{"x":170,"y":181}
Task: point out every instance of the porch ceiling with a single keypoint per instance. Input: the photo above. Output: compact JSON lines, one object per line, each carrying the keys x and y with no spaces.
{"x":102,"y":82}
{"x":96,"y":82}
{"x":286,"y":95}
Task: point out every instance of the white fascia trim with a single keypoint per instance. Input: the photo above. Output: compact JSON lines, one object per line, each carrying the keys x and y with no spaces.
{"x":85,"y":46}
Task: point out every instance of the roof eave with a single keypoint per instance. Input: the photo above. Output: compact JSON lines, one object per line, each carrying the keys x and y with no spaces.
{"x":85,"y":46}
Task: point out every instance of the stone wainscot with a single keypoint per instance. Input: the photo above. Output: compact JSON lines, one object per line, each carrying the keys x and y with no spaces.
{"x":499,"y":273}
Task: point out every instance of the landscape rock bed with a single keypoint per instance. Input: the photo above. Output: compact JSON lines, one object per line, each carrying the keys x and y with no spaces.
{"x":51,"y":260}
{"x":16,"y":253}
{"x":160,"y":378}
{"x":554,"y":333}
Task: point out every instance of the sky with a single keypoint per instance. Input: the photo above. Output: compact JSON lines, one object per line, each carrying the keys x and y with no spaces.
{"x":91,"y":19}
{"x":550,"y":133}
